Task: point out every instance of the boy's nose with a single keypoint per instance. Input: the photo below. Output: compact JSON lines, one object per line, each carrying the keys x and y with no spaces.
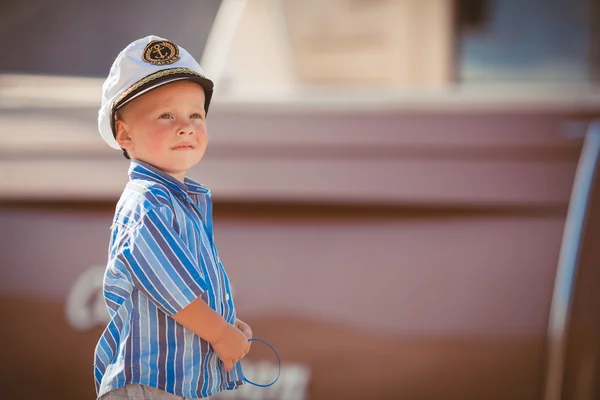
{"x":186,"y":130}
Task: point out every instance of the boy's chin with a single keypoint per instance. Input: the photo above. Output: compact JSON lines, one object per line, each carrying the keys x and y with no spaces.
{"x":182,"y":165}
{"x":174,"y":166}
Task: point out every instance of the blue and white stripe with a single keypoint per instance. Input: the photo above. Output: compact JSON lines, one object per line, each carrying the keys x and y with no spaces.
{"x":162,"y":256}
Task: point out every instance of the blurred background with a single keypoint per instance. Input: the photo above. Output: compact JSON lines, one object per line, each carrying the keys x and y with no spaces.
{"x":404,"y":190}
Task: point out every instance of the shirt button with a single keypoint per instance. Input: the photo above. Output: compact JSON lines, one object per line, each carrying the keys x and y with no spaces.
{"x":227,"y":296}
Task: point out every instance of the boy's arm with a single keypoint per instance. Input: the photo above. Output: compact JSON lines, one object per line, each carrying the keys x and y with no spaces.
{"x":202,"y":320}
{"x":229,"y":342}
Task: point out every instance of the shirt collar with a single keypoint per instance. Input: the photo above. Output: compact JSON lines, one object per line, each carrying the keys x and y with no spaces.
{"x":142,"y":170}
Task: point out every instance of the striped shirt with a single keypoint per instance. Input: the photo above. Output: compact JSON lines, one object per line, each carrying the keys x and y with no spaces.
{"x":162,"y":256}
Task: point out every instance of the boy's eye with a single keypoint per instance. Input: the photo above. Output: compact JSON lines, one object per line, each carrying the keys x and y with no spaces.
{"x":196,"y":116}
{"x":166,"y":116}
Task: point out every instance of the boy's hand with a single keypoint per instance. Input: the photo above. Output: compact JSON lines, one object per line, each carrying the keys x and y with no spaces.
{"x":231,"y":347}
{"x":244,"y":327}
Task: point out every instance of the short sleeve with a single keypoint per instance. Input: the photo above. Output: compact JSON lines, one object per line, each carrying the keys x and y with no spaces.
{"x":161,"y":264}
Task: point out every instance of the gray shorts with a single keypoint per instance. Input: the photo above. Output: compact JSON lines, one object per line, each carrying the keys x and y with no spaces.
{"x":136,"y":391}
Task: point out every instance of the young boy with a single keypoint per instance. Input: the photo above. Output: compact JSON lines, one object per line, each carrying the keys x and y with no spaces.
{"x":173,"y":331}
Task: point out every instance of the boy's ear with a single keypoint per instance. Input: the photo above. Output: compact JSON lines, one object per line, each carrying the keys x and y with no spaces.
{"x":122,"y":135}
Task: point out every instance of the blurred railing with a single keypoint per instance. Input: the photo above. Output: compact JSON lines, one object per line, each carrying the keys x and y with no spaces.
{"x":574,"y":328}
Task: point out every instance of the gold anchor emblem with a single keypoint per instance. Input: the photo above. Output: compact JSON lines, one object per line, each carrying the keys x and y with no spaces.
{"x":161,"y":52}
{"x":158,"y":51}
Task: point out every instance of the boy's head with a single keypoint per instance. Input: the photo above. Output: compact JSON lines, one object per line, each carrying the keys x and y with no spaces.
{"x":154,"y":105}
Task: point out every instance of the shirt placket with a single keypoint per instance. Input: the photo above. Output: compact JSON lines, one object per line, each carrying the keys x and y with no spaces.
{"x":225,"y":298}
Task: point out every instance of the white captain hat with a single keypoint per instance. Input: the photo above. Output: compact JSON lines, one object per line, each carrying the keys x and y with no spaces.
{"x":143,"y":65}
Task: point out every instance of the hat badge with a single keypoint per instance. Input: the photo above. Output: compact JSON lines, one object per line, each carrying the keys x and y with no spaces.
{"x":161,"y":52}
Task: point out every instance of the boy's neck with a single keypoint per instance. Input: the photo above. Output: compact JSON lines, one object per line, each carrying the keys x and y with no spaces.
{"x":179,"y":177}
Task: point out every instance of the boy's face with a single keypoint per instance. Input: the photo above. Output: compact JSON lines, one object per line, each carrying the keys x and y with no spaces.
{"x":165,"y":127}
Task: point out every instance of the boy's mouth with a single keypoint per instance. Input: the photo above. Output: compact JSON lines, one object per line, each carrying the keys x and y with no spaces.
{"x":184,"y":146}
